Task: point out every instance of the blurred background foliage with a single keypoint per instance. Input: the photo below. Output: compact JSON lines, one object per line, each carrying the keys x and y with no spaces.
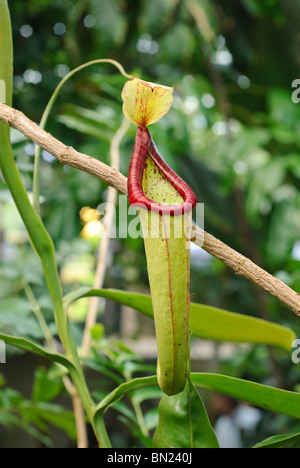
{"x":232,"y":133}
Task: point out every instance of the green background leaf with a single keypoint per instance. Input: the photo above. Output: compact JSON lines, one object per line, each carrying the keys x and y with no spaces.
{"x":262,"y":396}
{"x":34,"y":348}
{"x":269,"y":398}
{"x":206,"y":321}
{"x":280,"y":441}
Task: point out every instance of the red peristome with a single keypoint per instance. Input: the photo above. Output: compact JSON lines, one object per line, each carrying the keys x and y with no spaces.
{"x":144,"y":146}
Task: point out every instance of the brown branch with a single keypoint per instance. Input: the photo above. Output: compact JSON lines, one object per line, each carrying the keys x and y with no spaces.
{"x":65,"y":154}
{"x":81,"y":429}
{"x":69,"y":156}
{"x":246,"y":268}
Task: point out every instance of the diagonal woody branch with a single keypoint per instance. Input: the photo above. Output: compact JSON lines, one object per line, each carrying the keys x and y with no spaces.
{"x":248,"y":269}
{"x":69,"y":156}
{"x":65,"y":154}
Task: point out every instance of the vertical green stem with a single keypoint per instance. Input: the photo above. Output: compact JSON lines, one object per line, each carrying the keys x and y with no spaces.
{"x":100,"y":431}
{"x":6,"y":69}
{"x":140,"y":417}
{"x":38,"y":314}
{"x":39,"y":237}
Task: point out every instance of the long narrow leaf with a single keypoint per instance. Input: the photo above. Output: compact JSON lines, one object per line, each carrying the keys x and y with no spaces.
{"x":263,"y":396}
{"x":268,"y":398}
{"x":40,"y":239}
{"x":124,"y":389}
{"x":205,"y":321}
{"x":280,"y":441}
{"x":34,"y":348}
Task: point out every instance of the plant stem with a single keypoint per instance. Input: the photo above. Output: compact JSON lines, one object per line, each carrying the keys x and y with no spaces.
{"x":140,"y":416}
{"x":100,"y":431}
{"x":38,"y":314}
{"x":43,"y":122}
{"x":137,"y":408}
{"x":6,"y":56}
{"x":82,"y":441}
{"x":40,"y":239}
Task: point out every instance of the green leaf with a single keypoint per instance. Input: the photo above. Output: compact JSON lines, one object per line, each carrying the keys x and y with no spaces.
{"x":34,"y":348}
{"x":8,"y":419}
{"x":268,"y":398}
{"x":2,"y":380}
{"x":185,"y":43}
{"x":205,"y":321}
{"x":110,"y":22}
{"x":34,"y":432}
{"x":280,"y":441}
{"x":265,"y":397}
{"x":41,"y":241}
{"x":284,"y":229}
{"x":272,"y":8}
{"x":45,"y":388}
{"x":282,"y":109}
{"x":15,"y":318}
{"x":151,"y":418}
{"x":33,"y":417}
{"x":220,"y":325}
{"x":183,"y":422}
{"x":51,"y":413}
{"x":122,"y":390}
{"x":147,"y":393}
{"x":10,"y":398}
{"x":156,"y":15}
{"x":79,"y":124}
{"x":97,"y":331}
{"x":6,"y":61}
{"x":263,"y":184}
